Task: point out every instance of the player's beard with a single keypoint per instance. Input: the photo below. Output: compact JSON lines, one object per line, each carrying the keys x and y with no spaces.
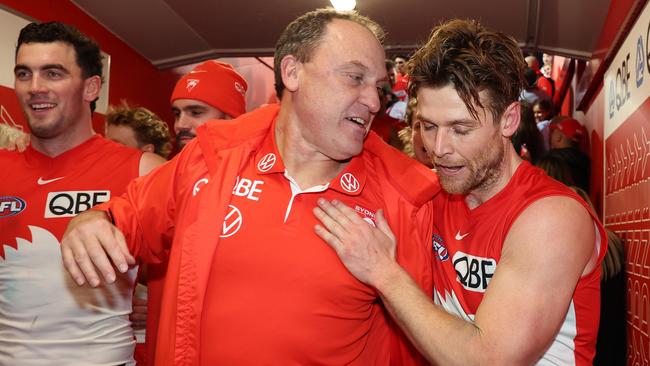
{"x":481,"y":173}
{"x":180,"y":141}
{"x":44,"y":129}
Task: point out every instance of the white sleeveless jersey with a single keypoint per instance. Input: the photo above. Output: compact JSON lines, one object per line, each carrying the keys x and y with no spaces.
{"x":45,"y":318}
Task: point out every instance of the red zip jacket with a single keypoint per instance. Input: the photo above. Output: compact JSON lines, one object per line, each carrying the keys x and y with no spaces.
{"x":181,"y":201}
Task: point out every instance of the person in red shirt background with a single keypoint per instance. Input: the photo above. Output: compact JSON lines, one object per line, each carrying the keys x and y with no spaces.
{"x":400,"y":87}
{"x":543,"y":82}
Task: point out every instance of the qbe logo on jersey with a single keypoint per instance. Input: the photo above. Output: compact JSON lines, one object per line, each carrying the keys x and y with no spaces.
{"x":70,"y":203}
{"x":473,"y":272}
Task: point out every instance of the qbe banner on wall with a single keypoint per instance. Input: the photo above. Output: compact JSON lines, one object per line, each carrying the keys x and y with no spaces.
{"x":627,"y":175}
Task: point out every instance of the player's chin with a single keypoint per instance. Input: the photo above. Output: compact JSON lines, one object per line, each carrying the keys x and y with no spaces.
{"x":453,"y":184}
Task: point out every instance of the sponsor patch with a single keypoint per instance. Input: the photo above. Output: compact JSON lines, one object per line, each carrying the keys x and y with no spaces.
{"x":350,"y":183}
{"x":11,"y":206}
{"x":70,"y":203}
{"x":439,"y":247}
{"x":248,"y":188}
{"x":473,"y":272}
{"x":366,"y":215}
{"x":232,"y":222}
{"x":266,"y":163}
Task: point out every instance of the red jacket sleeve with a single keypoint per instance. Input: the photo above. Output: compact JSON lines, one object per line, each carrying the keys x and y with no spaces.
{"x":146,"y":213}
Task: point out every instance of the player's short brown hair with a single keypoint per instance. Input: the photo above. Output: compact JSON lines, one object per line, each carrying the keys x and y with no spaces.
{"x":472,"y":59}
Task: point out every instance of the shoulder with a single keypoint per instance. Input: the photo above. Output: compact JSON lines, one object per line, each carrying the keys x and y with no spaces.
{"x":12,"y":161}
{"x":555,"y":218}
{"x":222,"y":134}
{"x":531,"y":183}
{"x":109,"y":156}
{"x":9,"y":154}
{"x":220,"y":138}
{"x":553,"y":226}
{"x":556,"y":210}
{"x":106,"y":146}
{"x":149,"y":161}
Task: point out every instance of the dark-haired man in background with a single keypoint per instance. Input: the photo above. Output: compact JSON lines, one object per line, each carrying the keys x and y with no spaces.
{"x":212,"y":90}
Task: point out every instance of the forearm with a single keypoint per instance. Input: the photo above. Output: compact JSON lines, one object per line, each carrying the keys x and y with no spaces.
{"x":121,"y":214}
{"x":441,"y":337}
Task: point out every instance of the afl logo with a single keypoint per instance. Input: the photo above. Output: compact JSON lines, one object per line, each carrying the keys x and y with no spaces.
{"x":350,"y":183}
{"x":11,"y":206}
{"x":267,"y":162}
{"x":231,"y":223}
{"x":439,"y":247}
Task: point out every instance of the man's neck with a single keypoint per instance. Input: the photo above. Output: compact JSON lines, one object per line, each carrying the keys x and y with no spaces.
{"x":304,"y":163}
{"x":56,"y":146}
{"x":506,"y":172}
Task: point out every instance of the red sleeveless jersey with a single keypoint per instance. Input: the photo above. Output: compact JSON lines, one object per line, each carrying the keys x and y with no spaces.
{"x":467,"y":249}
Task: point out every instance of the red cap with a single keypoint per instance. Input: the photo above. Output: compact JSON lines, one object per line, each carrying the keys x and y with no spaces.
{"x":570,"y":127}
{"x":215,"y":83}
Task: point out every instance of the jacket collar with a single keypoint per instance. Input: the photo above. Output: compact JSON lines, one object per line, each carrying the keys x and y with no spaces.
{"x":350,"y":181}
{"x":416,"y":182}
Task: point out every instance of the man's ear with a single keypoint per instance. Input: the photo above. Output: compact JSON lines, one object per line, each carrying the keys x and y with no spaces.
{"x":147,"y":148}
{"x":510,"y":119}
{"x":92,"y":86}
{"x":289,"y":68}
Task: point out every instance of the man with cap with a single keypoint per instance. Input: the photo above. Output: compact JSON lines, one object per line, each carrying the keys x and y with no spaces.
{"x":248,"y":280}
{"x":212,"y":90}
{"x":566,"y":136}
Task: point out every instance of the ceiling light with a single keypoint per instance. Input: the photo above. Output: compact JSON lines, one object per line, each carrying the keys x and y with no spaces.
{"x":343,"y":5}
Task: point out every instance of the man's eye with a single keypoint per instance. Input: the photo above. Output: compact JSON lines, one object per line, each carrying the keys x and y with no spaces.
{"x":22,"y":75}
{"x":356,"y":77}
{"x":428,"y":126}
